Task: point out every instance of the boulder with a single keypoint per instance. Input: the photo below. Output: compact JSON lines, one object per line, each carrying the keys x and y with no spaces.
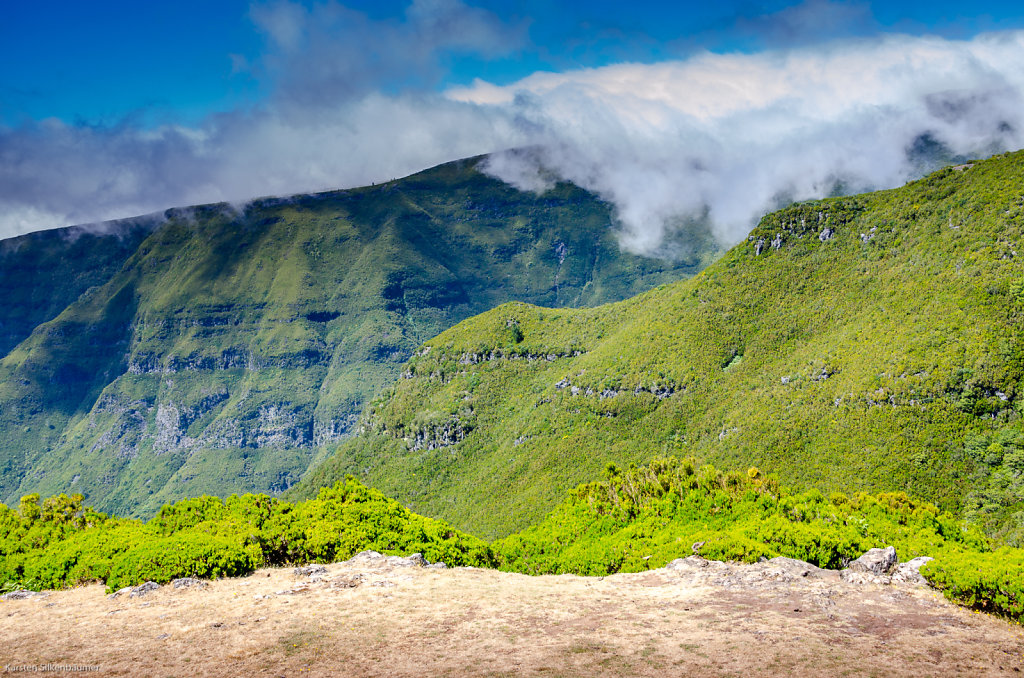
{"x":863,"y":577}
{"x":687,"y":563}
{"x":910,"y":571}
{"x":347,"y":582}
{"x":876,"y":562}
{"x":792,"y":566}
{"x":365,"y":558}
{"x":20,"y":594}
{"x":309,"y":570}
{"x":187,"y":583}
{"x":144,"y":589}
{"x":376,"y":560}
{"x":416,"y":560}
{"x":121,"y":591}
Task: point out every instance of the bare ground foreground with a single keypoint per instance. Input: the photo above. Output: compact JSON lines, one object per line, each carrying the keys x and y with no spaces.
{"x":381,"y":616}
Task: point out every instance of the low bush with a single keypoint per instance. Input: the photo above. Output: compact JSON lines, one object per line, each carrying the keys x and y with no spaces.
{"x":59,"y":543}
{"x":181,"y":555}
{"x":991,"y":582}
{"x":645,"y":517}
{"x":634,"y":519}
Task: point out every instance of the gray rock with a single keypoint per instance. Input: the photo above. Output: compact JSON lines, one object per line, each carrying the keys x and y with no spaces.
{"x":792,"y":566}
{"x":688,"y":563}
{"x":366,"y":558}
{"x":119,"y":592}
{"x":144,"y":589}
{"x":20,"y":594}
{"x":348,"y":582}
{"x":374,"y":559}
{"x":910,"y":572}
{"x":876,"y":561}
{"x":188,"y":582}
{"x":414,"y":560}
{"x":861,"y":577}
{"x":309,"y":570}
{"x":437,"y":566}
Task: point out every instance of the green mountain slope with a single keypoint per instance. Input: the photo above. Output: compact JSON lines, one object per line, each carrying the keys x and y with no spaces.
{"x":231,"y":347}
{"x":41,"y":273}
{"x":863,"y":343}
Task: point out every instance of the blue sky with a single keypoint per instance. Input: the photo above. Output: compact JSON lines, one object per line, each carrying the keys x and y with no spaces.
{"x":665,"y":109}
{"x":100,"y":62}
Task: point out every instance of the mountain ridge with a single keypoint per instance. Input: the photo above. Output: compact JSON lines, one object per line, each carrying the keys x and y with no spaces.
{"x":231,"y":345}
{"x":871,"y":342}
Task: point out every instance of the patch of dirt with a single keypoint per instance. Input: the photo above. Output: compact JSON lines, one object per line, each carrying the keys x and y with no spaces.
{"x":377,"y":617}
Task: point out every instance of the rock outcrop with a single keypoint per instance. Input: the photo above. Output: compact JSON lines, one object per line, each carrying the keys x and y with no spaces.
{"x":876,"y":561}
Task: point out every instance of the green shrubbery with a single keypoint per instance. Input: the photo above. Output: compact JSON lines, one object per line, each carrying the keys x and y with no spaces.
{"x":633,"y":520}
{"x":991,"y":581}
{"x":645,"y":517}
{"x":61,"y":543}
{"x":182,"y":555}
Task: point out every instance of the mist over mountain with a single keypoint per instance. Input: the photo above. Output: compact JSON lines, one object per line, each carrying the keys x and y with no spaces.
{"x":220,"y":348}
{"x":718,"y":136}
{"x":871,"y":342}
{"x":717,"y":302}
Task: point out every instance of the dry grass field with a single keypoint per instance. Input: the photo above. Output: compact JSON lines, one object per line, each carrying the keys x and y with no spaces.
{"x":374,"y":618}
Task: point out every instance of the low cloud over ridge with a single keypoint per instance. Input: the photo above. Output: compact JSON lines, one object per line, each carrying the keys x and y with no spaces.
{"x":732,"y":136}
{"x":725,"y":137}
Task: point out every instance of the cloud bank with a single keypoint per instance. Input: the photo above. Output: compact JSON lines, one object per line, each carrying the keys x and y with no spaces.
{"x":733,"y":136}
{"x":721,"y":137}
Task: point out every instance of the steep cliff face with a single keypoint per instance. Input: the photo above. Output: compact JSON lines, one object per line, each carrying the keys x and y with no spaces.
{"x":873,"y":342}
{"x":234,"y":347}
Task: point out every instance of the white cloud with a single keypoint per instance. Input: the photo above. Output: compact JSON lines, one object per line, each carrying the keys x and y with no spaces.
{"x":733,"y":135}
{"x":726,"y":136}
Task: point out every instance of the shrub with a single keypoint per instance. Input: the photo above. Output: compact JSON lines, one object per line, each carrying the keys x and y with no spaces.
{"x":990,"y":582}
{"x":628,"y":522}
{"x":162,"y":559}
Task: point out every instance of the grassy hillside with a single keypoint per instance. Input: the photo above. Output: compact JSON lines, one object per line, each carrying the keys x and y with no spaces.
{"x":41,"y":273}
{"x":231,"y":347}
{"x":862,"y":343}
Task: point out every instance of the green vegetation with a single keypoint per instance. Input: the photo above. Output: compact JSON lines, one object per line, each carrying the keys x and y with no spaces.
{"x":869,"y":343}
{"x":42,"y":273}
{"x":645,"y":517}
{"x":634,"y":519}
{"x":985,"y":581}
{"x":649,"y":516}
{"x":60,"y":543}
{"x":224,"y":350}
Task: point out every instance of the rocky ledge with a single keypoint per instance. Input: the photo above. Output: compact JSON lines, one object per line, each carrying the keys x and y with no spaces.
{"x":379,"y":615}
